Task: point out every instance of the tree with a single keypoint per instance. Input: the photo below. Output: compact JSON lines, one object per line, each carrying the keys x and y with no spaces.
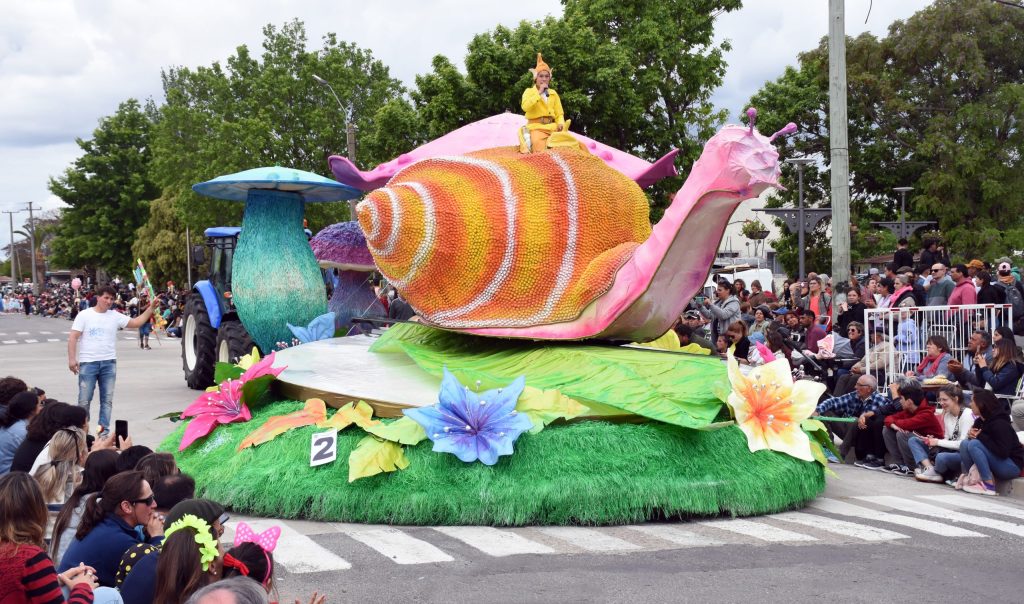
{"x":636,"y":75}
{"x":161,"y":245}
{"x":269,"y":111}
{"x":934,"y":105}
{"x":108,"y":190}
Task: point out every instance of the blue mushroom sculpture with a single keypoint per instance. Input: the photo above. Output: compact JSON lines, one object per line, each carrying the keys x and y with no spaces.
{"x":275,"y":277}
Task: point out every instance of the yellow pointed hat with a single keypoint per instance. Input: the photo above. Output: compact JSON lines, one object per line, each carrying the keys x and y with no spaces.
{"x":541,"y":66}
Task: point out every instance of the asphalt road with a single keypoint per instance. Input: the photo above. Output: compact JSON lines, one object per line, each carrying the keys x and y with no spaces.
{"x":872,"y":537}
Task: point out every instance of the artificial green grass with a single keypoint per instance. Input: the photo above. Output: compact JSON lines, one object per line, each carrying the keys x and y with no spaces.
{"x":581,"y":473}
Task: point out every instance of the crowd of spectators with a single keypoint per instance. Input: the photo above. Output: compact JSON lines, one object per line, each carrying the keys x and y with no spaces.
{"x":86,"y":519}
{"x":942,"y":417}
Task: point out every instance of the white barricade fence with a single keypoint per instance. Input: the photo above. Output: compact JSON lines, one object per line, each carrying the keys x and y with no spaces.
{"x":908,"y":330}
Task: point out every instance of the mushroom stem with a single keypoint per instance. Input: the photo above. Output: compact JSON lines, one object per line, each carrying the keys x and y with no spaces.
{"x":275,"y":278}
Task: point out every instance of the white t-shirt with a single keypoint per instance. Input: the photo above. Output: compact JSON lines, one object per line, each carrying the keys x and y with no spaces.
{"x":99,"y":334}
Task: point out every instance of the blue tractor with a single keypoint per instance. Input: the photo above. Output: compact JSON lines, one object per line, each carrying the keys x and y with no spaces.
{"x":211,"y":330}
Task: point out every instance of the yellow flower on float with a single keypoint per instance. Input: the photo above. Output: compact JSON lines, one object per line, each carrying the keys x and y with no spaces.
{"x":769,"y":407}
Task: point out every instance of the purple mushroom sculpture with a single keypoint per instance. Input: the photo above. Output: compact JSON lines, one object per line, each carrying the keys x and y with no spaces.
{"x":342,"y":247}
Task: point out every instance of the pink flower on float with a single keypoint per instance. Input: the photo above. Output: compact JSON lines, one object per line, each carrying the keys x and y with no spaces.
{"x":769,"y":407}
{"x":261,"y":368}
{"x":222,"y":406}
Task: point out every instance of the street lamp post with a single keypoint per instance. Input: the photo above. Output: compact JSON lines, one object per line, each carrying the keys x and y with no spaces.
{"x":14,"y":257}
{"x":903,"y":209}
{"x":800,"y":163}
{"x":350,"y":134}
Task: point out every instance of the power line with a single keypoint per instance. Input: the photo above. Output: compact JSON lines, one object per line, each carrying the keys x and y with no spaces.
{"x":1009,"y":3}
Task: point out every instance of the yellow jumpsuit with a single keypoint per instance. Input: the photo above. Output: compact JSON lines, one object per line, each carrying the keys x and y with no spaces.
{"x":543,"y":116}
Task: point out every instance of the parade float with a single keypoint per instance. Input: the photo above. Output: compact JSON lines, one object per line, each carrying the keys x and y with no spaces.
{"x":517,"y":398}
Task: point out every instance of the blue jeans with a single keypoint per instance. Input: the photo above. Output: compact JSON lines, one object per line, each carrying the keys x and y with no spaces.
{"x":974,"y":453}
{"x":918,"y":448}
{"x":105,"y":373}
{"x":948,"y":464}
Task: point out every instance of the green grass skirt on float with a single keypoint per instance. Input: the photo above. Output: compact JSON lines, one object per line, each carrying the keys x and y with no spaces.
{"x":590,"y":472}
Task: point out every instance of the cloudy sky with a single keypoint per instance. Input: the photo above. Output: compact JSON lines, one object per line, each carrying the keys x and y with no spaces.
{"x":64,"y":64}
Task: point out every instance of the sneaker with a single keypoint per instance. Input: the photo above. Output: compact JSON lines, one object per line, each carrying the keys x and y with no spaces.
{"x":893,"y":468}
{"x":961,"y":481}
{"x":981,"y":488}
{"x":831,"y":457}
{"x":930,"y":475}
{"x":904,"y":471}
{"x":952,"y":483}
{"x":872,"y":464}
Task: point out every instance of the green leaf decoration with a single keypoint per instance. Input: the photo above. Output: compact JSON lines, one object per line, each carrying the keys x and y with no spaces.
{"x":819,"y":434}
{"x":174,"y":416}
{"x":545,"y":406}
{"x":358,"y":413}
{"x":674,"y":388}
{"x":373,"y":456}
{"x":256,"y":391}
{"x":819,"y":456}
{"x":403,"y":430}
{"x":226,"y":371}
{"x":812,"y":425}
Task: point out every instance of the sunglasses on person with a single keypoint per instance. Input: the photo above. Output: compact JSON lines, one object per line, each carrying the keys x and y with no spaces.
{"x":147,"y":501}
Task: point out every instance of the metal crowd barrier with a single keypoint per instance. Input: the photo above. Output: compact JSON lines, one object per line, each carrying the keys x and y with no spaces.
{"x":908,"y":330}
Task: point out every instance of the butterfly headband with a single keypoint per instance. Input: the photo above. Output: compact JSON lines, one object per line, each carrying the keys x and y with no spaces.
{"x":267,"y":539}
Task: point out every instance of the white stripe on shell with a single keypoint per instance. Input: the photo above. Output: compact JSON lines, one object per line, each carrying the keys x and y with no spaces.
{"x":444,"y":318}
{"x":572,"y":204}
{"x":374,"y":220}
{"x":396,"y":223}
{"x":427,"y":243}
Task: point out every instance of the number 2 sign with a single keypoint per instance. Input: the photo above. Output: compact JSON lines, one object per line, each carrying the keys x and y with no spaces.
{"x":324,"y":448}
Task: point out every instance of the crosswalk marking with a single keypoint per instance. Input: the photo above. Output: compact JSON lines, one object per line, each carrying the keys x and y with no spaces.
{"x":589,"y":539}
{"x":842,"y":508}
{"x":297,"y":552}
{"x":397,"y":545}
{"x":674,"y":535}
{"x":22,"y":333}
{"x":10,"y":341}
{"x":494,"y":542}
{"x":980,"y":504}
{"x":28,"y":341}
{"x":908,"y":505}
{"x":53,"y":339}
{"x":757,"y":530}
{"x":46,"y":333}
{"x":839,"y":527}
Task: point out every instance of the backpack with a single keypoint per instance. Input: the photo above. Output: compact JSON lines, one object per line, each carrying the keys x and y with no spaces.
{"x":1016,"y":300}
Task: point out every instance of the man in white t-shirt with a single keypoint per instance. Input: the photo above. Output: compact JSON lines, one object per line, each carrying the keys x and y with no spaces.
{"x":95,"y":360}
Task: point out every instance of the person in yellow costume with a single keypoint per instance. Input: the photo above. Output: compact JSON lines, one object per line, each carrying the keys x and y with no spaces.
{"x":544,"y":114}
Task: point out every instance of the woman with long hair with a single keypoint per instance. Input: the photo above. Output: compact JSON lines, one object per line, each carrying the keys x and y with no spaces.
{"x":1002,"y":376}
{"x":107,"y":528}
{"x":58,"y":477}
{"x":939,"y":458}
{"x":14,"y":418}
{"x":54,"y":416}
{"x":26,"y":572}
{"x":99,"y":466}
{"x":992,"y":446}
{"x":189,"y":560}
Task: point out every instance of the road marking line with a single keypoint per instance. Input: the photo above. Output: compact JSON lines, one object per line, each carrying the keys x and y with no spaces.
{"x":909,"y":505}
{"x":53,"y":339}
{"x":675,"y":535}
{"x":46,"y":333}
{"x":297,"y":552}
{"x":10,"y":341}
{"x":979,"y":504}
{"x":3,"y":333}
{"x":589,"y":539}
{"x":30,"y":341}
{"x":494,"y":542}
{"x":23,"y":333}
{"x":833,"y":506}
{"x":839,"y":527}
{"x":757,"y":530}
{"x":400,"y":547}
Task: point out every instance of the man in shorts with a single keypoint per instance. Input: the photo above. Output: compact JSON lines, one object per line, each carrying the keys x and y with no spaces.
{"x":95,"y":360}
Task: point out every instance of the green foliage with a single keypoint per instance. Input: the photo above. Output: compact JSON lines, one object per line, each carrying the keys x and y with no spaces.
{"x":161,"y":245}
{"x":268,"y":110}
{"x":108,"y":190}
{"x":635,"y":75}
{"x":935,"y":105}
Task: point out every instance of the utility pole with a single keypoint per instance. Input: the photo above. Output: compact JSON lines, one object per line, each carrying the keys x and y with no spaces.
{"x":14,"y":256}
{"x":32,"y":247}
{"x":840,"y":154}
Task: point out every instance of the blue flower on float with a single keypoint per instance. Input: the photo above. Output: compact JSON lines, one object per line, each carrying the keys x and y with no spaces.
{"x":320,"y":328}
{"x":473,"y":426}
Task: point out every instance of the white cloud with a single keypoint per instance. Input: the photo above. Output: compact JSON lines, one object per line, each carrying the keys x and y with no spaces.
{"x":64,"y":64}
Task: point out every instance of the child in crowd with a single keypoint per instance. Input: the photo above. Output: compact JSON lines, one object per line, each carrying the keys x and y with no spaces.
{"x":957,"y":420}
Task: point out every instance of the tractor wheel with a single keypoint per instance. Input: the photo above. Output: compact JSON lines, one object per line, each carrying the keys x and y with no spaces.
{"x":233,"y":342}
{"x":198,"y":344}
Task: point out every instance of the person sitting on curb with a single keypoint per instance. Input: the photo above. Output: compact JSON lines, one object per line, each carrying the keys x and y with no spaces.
{"x":864,"y":398}
{"x":917,"y":417}
{"x":870,"y":446}
{"x":992,"y":446}
{"x":957,"y":420}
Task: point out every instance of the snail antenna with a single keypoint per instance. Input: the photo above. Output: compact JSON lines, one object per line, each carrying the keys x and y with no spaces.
{"x":751,"y":118}
{"x":788,"y":129}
